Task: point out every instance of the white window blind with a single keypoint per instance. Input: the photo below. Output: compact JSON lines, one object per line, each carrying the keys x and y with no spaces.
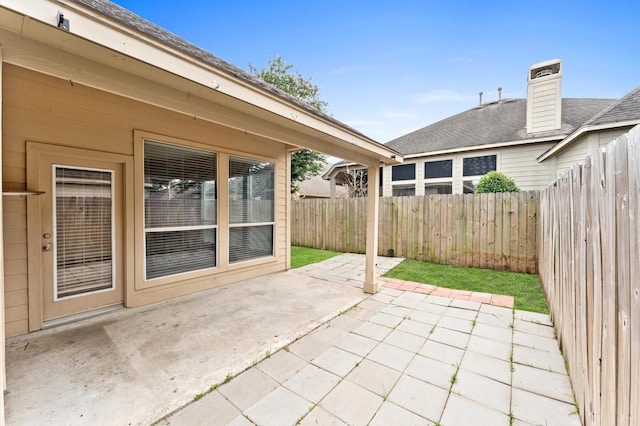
{"x":251,"y":209}
{"x":180,"y":209}
{"x":83,"y":209}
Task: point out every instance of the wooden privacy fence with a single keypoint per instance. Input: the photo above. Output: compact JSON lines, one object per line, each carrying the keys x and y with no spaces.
{"x":493,"y":231}
{"x":590,"y":270}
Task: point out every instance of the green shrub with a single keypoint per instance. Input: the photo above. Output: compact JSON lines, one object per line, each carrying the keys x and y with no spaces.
{"x":496,"y":182}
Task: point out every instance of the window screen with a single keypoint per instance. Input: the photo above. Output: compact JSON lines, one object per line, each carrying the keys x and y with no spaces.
{"x":180,"y":209}
{"x":478,"y":166}
{"x":438,"y":169}
{"x":251,"y":209}
{"x":403,"y":172}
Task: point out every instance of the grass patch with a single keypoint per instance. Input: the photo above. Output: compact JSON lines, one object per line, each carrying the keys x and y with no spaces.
{"x":526,"y":289}
{"x":302,"y":256}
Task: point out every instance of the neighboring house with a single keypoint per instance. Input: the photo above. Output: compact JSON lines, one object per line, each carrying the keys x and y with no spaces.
{"x":531,"y":140}
{"x":137,"y":167}
{"x":317,"y":187}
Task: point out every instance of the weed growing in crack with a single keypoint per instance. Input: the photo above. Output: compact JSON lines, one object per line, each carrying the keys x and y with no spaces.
{"x":227,"y":378}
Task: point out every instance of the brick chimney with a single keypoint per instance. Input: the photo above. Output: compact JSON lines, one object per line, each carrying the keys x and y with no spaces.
{"x":544,"y":96}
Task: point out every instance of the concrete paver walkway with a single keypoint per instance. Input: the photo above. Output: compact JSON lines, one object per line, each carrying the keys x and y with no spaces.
{"x":401,"y":357}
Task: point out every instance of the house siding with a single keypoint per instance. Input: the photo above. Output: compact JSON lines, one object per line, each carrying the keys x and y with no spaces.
{"x":518,"y":162}
{"x":44,"y":109}
{"x":571,"y":155}
{"x":605,"y":137}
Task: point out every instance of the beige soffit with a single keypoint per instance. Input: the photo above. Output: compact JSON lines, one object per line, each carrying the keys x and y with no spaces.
{"x":129,"y":51}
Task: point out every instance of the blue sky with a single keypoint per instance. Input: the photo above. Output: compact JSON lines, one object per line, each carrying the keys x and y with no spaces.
{"x":388,"y":68}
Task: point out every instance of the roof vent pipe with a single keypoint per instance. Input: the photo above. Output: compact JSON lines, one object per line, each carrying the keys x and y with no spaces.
{"x":499,"y":94}
{"x":480,"y":98}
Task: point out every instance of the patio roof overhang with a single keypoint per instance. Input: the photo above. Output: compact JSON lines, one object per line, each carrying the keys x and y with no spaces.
{"x":107,"y":54}
{"x":104,"y":53}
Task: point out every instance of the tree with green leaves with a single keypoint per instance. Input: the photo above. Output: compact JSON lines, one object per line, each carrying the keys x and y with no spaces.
{"x":304,"y":164}
{"x":496,"y":182}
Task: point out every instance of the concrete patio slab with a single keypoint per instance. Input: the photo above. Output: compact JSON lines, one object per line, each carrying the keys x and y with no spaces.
{"x":249,"y":388}
{"x":421,"y":398}
{"x":374,"y":377}
{"x":177,"y":349}
{"x":538,"y":410}
{"x":280,"y":407}
{"x":391,"y":414}
{"x":463,"y":411}
{"x":431,"y":371}
{"x":374,"y":363}
{"x":351,"y":403}
{"x":486,"y":391}
{"x":312,"y":383}
{"x":211,"y":403}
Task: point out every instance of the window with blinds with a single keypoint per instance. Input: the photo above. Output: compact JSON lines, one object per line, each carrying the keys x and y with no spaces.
{"x":180,"y":209}
{"x":251,"y":209}
{"x":84,"y":231}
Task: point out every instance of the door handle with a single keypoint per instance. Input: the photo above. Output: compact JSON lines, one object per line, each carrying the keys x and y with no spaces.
{"x":47,"y":247}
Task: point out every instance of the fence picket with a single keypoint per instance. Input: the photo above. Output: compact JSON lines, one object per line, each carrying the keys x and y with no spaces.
{"x":588,"y":253}
{"x":461,"y":229}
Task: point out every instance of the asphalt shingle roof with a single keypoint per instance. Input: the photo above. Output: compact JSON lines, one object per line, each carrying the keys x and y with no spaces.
{"x":137,"y":23}
{"x":491,"y":123}
{"x":625,"y":108}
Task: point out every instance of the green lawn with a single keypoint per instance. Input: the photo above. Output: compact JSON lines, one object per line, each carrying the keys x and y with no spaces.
{"x":301,"y":256}
{"x":525,"y":289}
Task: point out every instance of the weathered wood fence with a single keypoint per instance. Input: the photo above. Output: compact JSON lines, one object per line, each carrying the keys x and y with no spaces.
{"x":493,"y":231}
{"x":590,"y":270}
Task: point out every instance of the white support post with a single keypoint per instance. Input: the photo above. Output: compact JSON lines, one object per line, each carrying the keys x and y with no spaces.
{"x":373,"y":197}
{"x":3,"y":372}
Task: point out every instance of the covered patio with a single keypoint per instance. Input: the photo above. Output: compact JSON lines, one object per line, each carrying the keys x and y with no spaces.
{"x":133,"y":366}
{"x":293,"y":346}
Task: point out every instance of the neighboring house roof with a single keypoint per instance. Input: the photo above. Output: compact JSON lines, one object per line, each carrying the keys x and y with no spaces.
{"x":492,"y":123}
{"x":624,"y":109}
{"x":315,"y":186}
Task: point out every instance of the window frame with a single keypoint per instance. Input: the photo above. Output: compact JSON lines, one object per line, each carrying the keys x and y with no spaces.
{"x":241,"y":225}
{"x":180,"y":228}
{"x":403,"y":166}
{"x":475,"y":178}
{"x":403,"y":186}
{"x":439,"y":180}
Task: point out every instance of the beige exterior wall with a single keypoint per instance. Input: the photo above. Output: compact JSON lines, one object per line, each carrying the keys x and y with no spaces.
{"x":53,"y":111}
{"x":518,"y":162}
{"x":584,"y":146}
{"x":573,"y":154}
{"x":607,"y":136}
